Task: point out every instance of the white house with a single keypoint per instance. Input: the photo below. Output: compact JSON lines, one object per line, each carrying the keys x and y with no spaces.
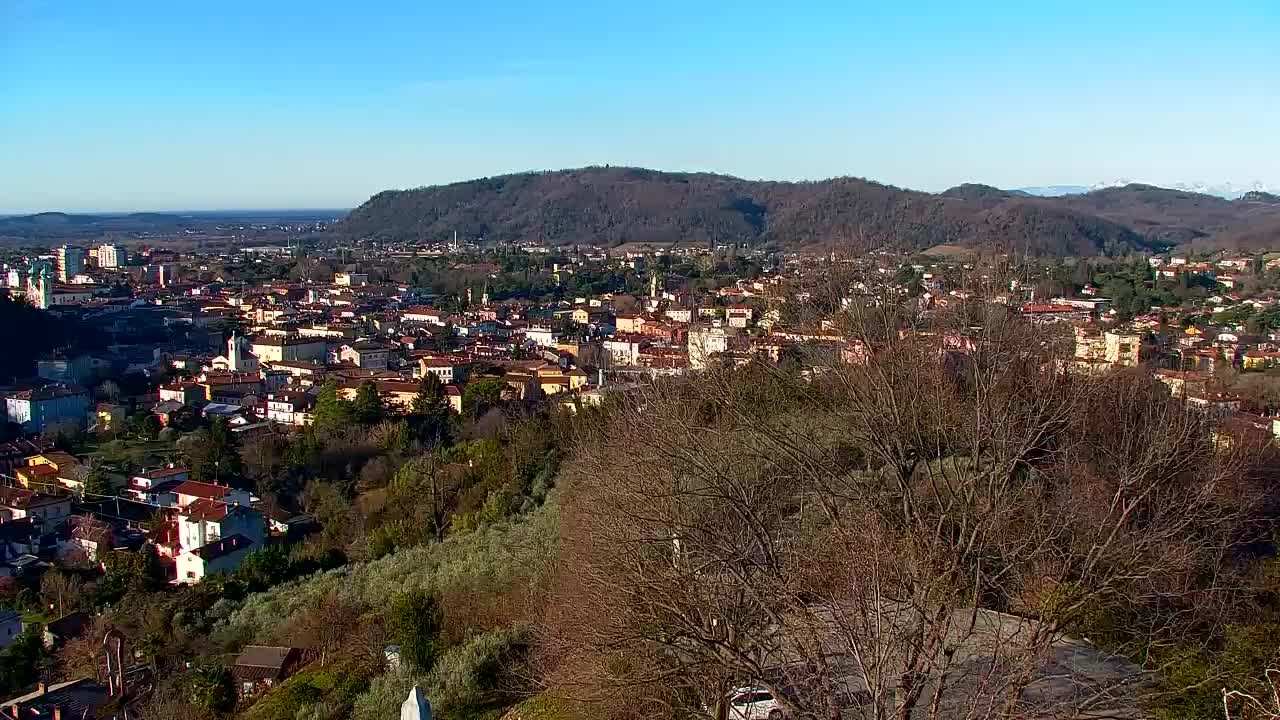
{"x":542,"y":336}
{"x":290,"y":408}
{"x":739,"y":316}
{"x":36,"y":409}
{"x":705,"y":342}
{"x":156,"y":486}
{"x":448,"y":371}
{"x":220,"y":556}
{"x":424,"y":315}
{"x":215,"y":537}
{"x":365,"y":355}
{"x":10,"y":627}
{"x":680,"y":315}
{"x":205,"y":521}
{"x":623,"y":351}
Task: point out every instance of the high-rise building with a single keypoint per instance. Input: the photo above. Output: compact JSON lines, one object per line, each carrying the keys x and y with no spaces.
{"x":112,"y":256}
{"x":70,"y":262}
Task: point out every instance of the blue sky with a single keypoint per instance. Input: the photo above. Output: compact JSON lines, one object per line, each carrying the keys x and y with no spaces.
{"x":193,"y":105}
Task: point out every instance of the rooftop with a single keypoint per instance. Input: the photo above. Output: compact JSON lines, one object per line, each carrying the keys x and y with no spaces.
{"x":223,"y":547}
{"x":21,"y":499}
{"x":200,"y":489}
{"x":77,"y":698}
{"x":205,"y":510}
{"x":49,"y":392}
{"x":268,"y":656}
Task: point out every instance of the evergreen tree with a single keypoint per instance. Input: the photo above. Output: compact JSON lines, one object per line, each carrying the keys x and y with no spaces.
{"x":430,"y":395}
{"x":416,"y":618}
{"x":213,"y":689}
{"x":150,"y":575}
{"x":331,"y":411}
{"x":124,"y":571}
{"x":482,"y":395}
{"x":431,"y":417}
{"x":215,"y":455}
{"x":20,"y":663}
{"x":98,"y":483}
{"x":368,"y":408}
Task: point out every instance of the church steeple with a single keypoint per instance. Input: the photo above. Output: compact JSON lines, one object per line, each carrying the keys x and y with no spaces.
{"x":238,"y":358}
{"x":233,"y":352}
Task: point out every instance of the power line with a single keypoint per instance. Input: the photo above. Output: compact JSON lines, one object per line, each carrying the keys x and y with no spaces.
{"x":117,"y":497}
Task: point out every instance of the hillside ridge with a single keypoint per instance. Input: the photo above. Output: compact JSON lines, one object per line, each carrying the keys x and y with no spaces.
{"x":609,"y":206}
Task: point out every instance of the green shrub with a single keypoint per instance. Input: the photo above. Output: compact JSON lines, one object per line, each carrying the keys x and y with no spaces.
{"x":497,"y":553}
{"x":467,"y":678}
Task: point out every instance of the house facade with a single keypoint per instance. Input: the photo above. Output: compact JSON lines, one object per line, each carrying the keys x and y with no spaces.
{"x":46,"y":510}
{"x":260,"y":667}
{"x":35,"y":410}
{"x":10,"y":627}
{"x":276,"y":349}
{"x":365,"y":355}
{"x":215,"y":537}
{"x":157,"y":486}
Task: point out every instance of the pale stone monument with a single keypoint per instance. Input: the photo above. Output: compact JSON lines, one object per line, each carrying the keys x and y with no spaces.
{"x":416,"y":706}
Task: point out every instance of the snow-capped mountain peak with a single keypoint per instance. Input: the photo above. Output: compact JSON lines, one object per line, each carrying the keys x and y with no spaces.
{"x":1118,"y":182}
{"x":1228,"y":190}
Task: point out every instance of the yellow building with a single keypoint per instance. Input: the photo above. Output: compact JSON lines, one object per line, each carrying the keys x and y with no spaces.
{"x":1123,"y":349}
{"x":52,"y":468}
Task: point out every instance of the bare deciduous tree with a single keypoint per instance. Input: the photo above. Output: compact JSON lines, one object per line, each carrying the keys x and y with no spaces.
{"x":916,"y":534}
{"x":60,"y":592}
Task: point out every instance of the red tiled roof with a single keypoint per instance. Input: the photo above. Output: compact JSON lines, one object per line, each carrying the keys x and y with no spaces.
{"x":39,"y":470}
{"x":204,"y":510}
{"x":200,"y":489}
{"x":15,"y":497}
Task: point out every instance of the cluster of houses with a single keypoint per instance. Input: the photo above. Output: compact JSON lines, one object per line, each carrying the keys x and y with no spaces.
{"x":197,"y":528}
{"x":295,"y":336}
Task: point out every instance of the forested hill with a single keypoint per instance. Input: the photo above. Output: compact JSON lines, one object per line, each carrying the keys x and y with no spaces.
{"x":609,"y":206}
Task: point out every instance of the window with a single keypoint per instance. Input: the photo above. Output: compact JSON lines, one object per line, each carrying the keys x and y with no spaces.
{"x":191,"y":574}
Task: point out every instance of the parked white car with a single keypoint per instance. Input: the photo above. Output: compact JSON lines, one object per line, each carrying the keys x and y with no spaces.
{"x":754,"y":703}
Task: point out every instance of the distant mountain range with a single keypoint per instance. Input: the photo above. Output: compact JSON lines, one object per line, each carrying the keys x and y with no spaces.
{"x":1226,"y":190}
{"x":1052,"y":190}
{"x":611,"y":206}
{"x":78,"y":226}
